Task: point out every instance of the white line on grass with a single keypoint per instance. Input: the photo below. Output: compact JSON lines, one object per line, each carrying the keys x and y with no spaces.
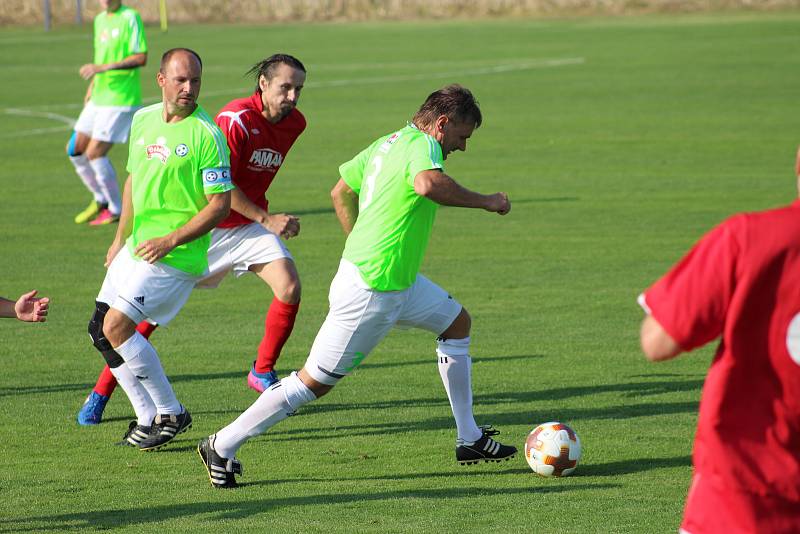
{"x":510,"y":67}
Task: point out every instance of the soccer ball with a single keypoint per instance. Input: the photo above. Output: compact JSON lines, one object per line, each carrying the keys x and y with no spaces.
{"x":553,"y":450}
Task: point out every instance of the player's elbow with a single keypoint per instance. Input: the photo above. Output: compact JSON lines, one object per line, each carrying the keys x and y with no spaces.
{"x":221,"y":204}
{"x":424,"y":184}
{"x":657,"y":344}
{"x":341,"y":193}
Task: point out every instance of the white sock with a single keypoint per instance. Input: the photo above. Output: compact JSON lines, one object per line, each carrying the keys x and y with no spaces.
{"x":143,"y":362}
{"x":107,"y":179}
{"x":87,"y":175}
{"x":455,"y":368}
{"x":273,"y":406}
{"x":143,"y":405}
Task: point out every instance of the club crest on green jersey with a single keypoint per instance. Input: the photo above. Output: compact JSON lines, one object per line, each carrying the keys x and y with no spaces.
{"x":159,"y":150}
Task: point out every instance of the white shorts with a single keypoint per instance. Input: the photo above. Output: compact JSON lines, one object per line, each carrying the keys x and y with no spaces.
{"x":238,"y":248}
{"x":360,"y":317}
{"x":106,"y":123}
{"x":145,"y":291}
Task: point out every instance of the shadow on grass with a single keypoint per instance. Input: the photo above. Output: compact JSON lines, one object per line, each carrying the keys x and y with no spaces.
{"x":432,"y":361}
{"x":234,"y":510}
{"x":499,"y":420}
{"x":634,"y":465}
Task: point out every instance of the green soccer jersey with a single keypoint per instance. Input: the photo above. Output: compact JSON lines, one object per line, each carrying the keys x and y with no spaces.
{"x":173,"y":167}
{"x":394,"y":223}
{"x":117,"y":35}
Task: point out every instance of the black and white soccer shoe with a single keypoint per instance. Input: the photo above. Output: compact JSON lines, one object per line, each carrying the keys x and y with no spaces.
{"x":135,"y":434}
{"x":164,"y":429}
{"x":485,"y":449}
{"x":220,"y":470}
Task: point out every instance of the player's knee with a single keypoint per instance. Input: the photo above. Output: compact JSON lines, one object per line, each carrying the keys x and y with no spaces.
{"x":114,"y":328}
{"x":290,"y":291}
{"x":99,"y":340}
{"x":459,"y":328}
{"x":72,"y":145}
{"x":96,"y":326}
{"x":317,"y":388}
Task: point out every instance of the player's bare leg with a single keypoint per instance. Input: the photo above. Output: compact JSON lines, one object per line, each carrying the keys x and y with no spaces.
{"x":281,"y":276}
{"x":474,"y":443}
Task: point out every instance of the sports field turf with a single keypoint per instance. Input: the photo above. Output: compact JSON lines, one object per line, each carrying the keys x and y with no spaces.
{"x":619,"y":141}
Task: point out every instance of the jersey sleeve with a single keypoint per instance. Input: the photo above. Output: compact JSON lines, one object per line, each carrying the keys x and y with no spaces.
{"x":235,"y":132}
{"x":352,"y":172}
{"x":138,"y":43}
{"x":691,"y":301}
{"x":214,"y":162}
{"x":425,"y":155}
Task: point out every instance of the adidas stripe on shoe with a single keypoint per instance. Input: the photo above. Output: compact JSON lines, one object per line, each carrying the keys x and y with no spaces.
{"x":135,"y":435}
{"x":165,"y":428}
{"x":220,"y":470}
{"x":485,"y":449}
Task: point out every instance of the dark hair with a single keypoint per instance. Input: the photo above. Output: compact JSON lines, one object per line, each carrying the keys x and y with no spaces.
{"x":454,"y":101}
{"x":172,"y":51}
{"x":267,"y":67}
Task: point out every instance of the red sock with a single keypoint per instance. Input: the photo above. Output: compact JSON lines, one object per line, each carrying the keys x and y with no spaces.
{"x":277,"y":329}
{"x":106,"y":382}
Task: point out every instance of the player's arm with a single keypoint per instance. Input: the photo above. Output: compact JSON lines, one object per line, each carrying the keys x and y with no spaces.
{"x":657,"y":344}
{"x":88,"y":94}
{"x":437,"y":186}
{"x":218,"y":207}
{"x":125,"y":223}
{"x":282,"y":224}
{"x":345,"y":202}
{"x":133,"y":61}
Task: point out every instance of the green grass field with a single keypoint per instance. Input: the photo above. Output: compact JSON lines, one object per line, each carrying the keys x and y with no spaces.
{"x":619,"y":141}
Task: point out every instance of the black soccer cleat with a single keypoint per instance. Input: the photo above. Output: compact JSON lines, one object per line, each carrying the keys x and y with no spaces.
{"x":220,"y":470}
{"x":135,"y":435}
{"x":166,"y":427}
{"x":485,"y":449}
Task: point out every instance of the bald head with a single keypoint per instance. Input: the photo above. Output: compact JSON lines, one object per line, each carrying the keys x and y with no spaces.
{"x":179,"y":79}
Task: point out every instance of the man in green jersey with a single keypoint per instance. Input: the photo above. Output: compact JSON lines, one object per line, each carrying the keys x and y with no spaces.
{"x":113,"y":96}
{"x":177,"y":191}
{"x":386,"y":201}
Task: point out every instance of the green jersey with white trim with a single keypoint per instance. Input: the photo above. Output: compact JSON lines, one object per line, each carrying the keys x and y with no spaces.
{"x":173,"y":167}
{"x":394,"y":223}
{"x":117,"y":35}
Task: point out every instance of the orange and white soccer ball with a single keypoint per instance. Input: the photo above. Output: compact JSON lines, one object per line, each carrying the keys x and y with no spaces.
{"x":553,"y":450}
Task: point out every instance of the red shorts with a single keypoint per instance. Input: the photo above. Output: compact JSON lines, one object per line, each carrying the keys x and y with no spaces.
{"x":710,"y":510}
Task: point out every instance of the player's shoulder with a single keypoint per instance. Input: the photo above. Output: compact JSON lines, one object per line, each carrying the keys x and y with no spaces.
{"x":240,"y":112}
{"x":239,"y":104}
{"x":422,"y":141}
{"x":148,"y":111}
{"x":204,"y":120}
{"x":296,"y":120}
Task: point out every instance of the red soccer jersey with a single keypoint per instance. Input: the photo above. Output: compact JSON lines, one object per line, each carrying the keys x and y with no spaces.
{"x":258,"y":148}
{"x":742,"y":282}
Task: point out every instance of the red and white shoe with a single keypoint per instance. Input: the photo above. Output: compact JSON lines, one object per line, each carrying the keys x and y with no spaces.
{"x":105,"y":217}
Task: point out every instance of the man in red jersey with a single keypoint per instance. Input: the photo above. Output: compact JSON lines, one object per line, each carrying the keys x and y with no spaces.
{"x":260,"y":131}
{"x":740,"y":282}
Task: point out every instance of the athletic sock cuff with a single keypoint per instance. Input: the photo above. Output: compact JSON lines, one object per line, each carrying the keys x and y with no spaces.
{"x":296,"y":392}
{"x":284,"y":307}
{"x":132,"y":347}
{"x":453,"y":347}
